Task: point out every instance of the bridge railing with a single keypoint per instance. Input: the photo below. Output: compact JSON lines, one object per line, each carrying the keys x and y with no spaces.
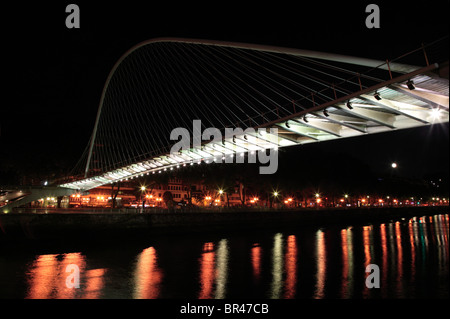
{"x":434,"y":52}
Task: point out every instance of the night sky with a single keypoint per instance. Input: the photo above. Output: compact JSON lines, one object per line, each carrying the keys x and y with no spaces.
{"x":54,"y":76}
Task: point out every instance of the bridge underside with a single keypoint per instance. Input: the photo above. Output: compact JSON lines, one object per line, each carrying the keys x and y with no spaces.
{"x":14,"y":197}
{"x":411,"y":100}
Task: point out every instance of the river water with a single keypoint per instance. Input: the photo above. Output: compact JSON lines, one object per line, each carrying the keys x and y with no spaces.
{"x":412,"y":257}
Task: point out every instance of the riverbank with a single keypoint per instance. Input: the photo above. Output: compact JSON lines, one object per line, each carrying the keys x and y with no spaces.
{"x":79,"y":225}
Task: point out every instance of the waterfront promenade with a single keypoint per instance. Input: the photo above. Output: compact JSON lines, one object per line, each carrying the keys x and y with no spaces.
{"x":106,"y":223}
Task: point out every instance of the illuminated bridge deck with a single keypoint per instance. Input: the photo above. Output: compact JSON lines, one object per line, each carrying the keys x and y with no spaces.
{"x":391,"y":105}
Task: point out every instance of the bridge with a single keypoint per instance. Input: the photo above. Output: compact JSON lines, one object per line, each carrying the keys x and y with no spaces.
{"x":280,"y":97}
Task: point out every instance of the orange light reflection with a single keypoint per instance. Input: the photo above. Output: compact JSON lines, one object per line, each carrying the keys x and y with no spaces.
{"x":291,"y":267}
{"x":47,"y":276}
{"x":347,"y":263}
{"x":42,"y":276}
{"x":398,"y":236}
{"x":147,"y":275}
{"x":207,"y":271}
{"x":256,"y":261}
{"x":321,"y":260}
{"x":94,"y":283}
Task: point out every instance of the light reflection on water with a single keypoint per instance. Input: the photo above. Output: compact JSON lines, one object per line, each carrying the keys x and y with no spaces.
{"x":321,"y":260}
{"x":277,"y":266}
{"x":323,"y":263}
{"x":291,"y":267}
{"x":207,"y":271}
{"x":47,"y":278}
{"x":346,"y":290}
{"x":147,"y":275}
{"x":221,"y":269}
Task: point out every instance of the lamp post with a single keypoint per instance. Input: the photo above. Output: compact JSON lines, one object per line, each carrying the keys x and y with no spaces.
{"x":220,"y":194}
{"x":275,"y":195}
{"x":394,"y":166}
{"x":143,"y":188}
{"x":318,"y":199}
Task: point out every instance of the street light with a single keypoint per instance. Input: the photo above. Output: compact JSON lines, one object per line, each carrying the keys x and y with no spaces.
{"x":394,"y":165}
{"x":143,"y":188}
{"x":346,"y":199}
{"x":275,"y":196}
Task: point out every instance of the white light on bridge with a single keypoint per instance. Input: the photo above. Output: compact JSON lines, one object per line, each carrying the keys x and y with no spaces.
{"x":394,"y":165}
{"x":435,"y":113}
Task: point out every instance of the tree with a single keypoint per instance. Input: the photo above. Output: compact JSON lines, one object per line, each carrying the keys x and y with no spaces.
{"x":114,"y":193}
{"x":168,"y":199}
{"x":190,"y":176}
